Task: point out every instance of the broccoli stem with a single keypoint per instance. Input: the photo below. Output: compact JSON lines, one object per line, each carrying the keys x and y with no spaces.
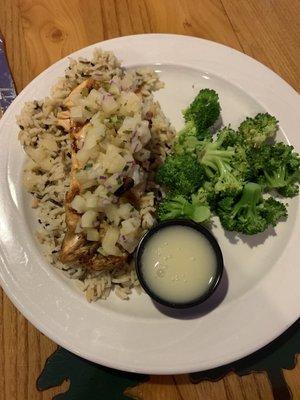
{"x":278,"y":179}
{"x":251,"y":196}
{"x":217,"y":160}
{"x":212,"y":151}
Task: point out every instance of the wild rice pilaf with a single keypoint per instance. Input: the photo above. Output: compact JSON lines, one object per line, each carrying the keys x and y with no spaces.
{"x":136,"y":134}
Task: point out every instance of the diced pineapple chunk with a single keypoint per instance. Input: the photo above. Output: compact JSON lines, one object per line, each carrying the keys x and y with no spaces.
{"x":109,"y":104}
{"x":109,"y":241}
{"x":130,"y":103}
{"x":101,"y":191}
{"x":79,"y":204}
{"x":94,"y":97}
{"x":94,"y":135}
{"x":130,"y":124}
{"x":113,"y":183}
{"x":92,"y":234}
{"x":114,"y":89}
{"x":112,"y":214}
{"x":82,"y":155}
{"x":76,"y":113}
{"x":92,"y":201}
{"x":124,"y":210}
{"x":113,"y":161}
{"x":130,"y":225}
{"x":88,"y":219}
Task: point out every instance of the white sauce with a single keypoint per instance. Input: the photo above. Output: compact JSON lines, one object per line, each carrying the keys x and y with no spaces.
{"x":178,"y":264}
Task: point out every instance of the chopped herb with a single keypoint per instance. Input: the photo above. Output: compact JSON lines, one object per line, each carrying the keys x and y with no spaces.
{"x":114,"y":119}
{"x":88,"y":166}
{"x":85,"y":92}
{"x":106,"y":85}
{"x":87,"y":108}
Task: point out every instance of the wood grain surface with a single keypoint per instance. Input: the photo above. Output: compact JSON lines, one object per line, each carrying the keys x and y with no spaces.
{"x":38,"y":33}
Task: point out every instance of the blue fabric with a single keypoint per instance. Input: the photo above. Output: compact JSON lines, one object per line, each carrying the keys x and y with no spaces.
{"x":7,"y":87}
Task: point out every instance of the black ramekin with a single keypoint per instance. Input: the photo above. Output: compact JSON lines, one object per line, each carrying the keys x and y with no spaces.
{"x":202,"y":230}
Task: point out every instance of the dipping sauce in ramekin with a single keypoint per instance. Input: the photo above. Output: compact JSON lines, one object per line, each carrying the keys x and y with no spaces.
{"x":179,"y":263}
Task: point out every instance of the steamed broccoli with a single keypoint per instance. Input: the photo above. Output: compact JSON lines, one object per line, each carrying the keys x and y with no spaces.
{"x":204,"y":110}
{"x":201,"y":196}
{"x":224,"y":167}
{"x":250,"y":214}
{"x":188,"y":139}
{"x":229,"y":137}
{"x":273,"y":211}
{"x":173,"y":207}
{"x":211,"y":196}
{"x":277,"y":167}
{"x":228,"y":174}
{"x":257,"y":130}
{"x":181,"y":174}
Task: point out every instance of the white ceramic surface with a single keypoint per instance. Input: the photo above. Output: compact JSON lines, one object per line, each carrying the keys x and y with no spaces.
{"x":259,"y":296}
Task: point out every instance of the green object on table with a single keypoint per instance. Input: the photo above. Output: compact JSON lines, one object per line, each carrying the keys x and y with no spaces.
{"x":87,"y":380}
{"x":93,"y":382}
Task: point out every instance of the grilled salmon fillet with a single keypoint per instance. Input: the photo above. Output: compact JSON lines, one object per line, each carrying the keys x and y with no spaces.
{"x":76,"y":249}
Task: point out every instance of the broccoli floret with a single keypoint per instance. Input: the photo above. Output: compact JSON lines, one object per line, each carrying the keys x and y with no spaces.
{"x":286,"y":184}
{"x":292,"y":189}
{"x":181,"y":174}
{"x":277,"y":167}
{"x":211,"y":196}
{"x":229,"y":137}
{"x":173,"y":207}
{"x":257,"y":130}
{"x":201,"y":197}
{"x":227,"y":175}
{"x":188,"y":139}
{"x":218,"y":164}
{"x":274,"y":211}
{"x":250,"y":214}
{"x":204,"y":110}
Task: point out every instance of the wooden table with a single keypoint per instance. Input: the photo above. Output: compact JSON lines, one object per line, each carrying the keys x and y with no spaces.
{"x":38,"y":33}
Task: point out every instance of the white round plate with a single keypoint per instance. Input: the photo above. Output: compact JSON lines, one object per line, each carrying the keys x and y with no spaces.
{"x":259,"y":296}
